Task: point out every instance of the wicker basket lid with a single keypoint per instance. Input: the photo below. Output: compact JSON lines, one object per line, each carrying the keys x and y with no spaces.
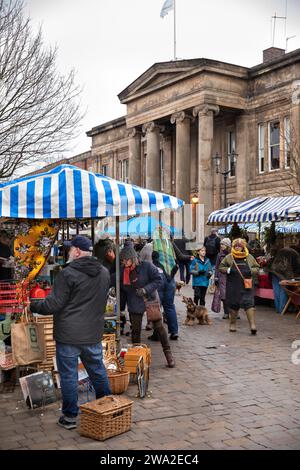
{"x":107,"y":404}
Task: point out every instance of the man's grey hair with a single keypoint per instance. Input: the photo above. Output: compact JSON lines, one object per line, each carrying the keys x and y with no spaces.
{"x":86,"y":253}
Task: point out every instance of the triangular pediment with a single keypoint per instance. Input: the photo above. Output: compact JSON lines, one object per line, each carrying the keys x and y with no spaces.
{"x":160,"y":74}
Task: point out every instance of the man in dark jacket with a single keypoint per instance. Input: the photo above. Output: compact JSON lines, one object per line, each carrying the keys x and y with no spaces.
{"x":212,"y":245}
{"x":78,"y":302}
{"x":184,"y":265}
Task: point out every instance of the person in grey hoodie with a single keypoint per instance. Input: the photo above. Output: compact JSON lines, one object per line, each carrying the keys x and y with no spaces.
{"x":77,"y":303}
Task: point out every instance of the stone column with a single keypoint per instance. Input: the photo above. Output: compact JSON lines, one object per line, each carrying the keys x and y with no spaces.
{"x":153,"y":156}
{"x":295,"y":138}
{"x":134,"y":156}
{"x":167,"y":153}
{"x":183,"y":155}
{"x":205,"y":115}
{"x":242,"y":149}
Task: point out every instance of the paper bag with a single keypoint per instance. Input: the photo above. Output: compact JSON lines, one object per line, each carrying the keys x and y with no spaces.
{"x":28,"y":343}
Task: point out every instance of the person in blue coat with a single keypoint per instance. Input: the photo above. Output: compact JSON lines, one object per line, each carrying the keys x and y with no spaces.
{"x":201,"y":270}
{"x":140,"y":281}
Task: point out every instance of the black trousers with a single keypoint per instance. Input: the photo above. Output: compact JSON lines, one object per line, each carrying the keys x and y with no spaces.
{"x":225,"y":307}
{"x":158,"y":327}
{"x":199,"y":294}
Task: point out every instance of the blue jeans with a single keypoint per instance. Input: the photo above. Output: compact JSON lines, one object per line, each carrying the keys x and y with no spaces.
{"x":280,"y":296}
{"x":167,"y":295}
{"x":67,"y":364}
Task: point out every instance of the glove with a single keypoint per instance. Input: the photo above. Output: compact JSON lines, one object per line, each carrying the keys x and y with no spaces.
{"x":194,"y":273}
{"x":228,"y":270}
{"x":33,"y":307}
{"x":141,"y":292}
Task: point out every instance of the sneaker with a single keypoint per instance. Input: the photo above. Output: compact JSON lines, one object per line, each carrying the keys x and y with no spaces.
{"x":67,"y":423}
{"x":173,"y":336}
{"x":225,"y":317}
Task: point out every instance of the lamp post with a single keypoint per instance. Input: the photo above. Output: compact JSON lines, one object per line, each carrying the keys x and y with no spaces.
{"x":195,"y":200}
{"x":217,"y":159}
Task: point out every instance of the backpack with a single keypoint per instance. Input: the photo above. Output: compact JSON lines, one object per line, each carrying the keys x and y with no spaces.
{"x":210,"y":246}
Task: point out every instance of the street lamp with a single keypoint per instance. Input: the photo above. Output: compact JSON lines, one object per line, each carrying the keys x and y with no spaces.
{"x":195,"y":199}
{"x":217,"y":159}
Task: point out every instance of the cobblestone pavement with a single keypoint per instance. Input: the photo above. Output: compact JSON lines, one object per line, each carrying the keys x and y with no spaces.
{"x":228,"y":391}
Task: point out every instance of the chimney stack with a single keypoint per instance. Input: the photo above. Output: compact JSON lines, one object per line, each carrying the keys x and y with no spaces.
{"x":272,"y":53}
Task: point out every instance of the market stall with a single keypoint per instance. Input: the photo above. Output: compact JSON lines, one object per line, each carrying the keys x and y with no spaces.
{"x":262,"y":214}
{"x":66,"y":192}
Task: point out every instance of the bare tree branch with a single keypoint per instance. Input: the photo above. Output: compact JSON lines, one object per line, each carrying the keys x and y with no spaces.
{"x":39,"y":109}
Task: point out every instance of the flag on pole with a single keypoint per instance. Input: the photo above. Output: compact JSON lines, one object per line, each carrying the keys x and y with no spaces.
{"x":167,"y":6}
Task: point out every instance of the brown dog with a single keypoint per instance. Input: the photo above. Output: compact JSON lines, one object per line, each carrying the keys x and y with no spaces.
{"x":195,"y":312}
{"x":179,"y":285}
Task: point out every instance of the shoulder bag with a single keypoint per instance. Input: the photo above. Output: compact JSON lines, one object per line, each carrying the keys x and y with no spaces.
{"x":248,"y":284}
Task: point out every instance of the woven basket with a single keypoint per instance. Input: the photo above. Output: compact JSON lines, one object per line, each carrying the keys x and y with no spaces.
{"x":105,"y":417}
{"x":119,"y":378}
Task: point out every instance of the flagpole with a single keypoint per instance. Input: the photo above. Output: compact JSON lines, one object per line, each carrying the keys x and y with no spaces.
{"x":175,"y":58}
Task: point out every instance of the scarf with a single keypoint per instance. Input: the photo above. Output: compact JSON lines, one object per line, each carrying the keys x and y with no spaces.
{"x":240,"y":254}
{"x":126,"y":276}
{"x":165,"y":249}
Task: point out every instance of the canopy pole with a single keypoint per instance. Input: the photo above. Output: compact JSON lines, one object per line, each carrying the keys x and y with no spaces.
{"x":93,"y":231}
{"x":118,"y":282}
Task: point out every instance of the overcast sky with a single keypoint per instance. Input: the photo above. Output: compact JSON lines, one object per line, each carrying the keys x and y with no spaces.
{"x":111,"y":42}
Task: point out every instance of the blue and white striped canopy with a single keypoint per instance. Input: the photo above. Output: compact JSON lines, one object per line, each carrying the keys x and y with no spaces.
{"x":70,"y":192}
{"x":259,"y":209}
{"x":281,"y":227}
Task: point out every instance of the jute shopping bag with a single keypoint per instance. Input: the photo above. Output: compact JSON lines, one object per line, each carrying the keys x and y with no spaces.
{"x":28,"y":342}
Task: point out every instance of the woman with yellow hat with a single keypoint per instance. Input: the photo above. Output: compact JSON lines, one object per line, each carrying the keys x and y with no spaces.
{"x":240,"y":268}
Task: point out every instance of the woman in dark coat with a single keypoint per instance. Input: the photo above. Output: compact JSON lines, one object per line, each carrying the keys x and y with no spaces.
{"x":141,"y":280}
{"x":240,"y":265}
{"x":221,"y":278}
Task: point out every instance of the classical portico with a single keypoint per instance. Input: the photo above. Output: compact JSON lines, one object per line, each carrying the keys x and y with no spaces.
{"x":180,"y":113}
{"x":172,"y":108}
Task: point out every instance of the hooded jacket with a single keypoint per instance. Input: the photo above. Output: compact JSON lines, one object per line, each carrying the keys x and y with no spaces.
{"x":78,"y":302}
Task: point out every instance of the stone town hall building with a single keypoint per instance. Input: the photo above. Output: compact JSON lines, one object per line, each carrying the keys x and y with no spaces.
{"x":180,"y":113}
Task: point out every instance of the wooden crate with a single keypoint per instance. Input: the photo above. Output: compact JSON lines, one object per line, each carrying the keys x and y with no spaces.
{"x":133,"y":355}
{"x":47,"y":364}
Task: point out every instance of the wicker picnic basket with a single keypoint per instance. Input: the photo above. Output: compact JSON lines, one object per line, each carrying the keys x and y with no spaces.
{"x":118,"y":377}
{"x":105,"y":417}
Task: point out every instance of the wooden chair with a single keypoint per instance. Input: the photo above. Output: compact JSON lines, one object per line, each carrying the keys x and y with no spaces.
{"x":292,"y":289}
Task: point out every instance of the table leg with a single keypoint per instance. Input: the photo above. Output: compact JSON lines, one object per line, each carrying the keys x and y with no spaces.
{"x":286,"y":307}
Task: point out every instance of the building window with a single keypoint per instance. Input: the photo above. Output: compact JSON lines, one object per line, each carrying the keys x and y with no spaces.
{"x":161,"y":170}
{"x":287,"y":142}
{"x":261,"y":148}
{"x":123,"y":170}
{"x":230,"y":150}
{"x":274,"y":145}
{"x":104,"y":170}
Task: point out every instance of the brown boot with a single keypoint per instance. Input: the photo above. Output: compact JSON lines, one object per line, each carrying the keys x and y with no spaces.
{"x":170,"y":359}
{"x":232,"y":320}
{"x":251,"y":319}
